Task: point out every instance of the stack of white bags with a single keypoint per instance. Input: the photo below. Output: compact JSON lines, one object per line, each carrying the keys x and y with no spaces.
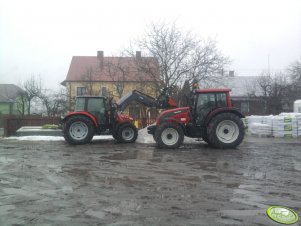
{"x":260,"y":125}
{"x":283,"y":125}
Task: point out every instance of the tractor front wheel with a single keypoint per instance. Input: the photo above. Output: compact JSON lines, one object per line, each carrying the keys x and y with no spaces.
{"x":127,"y":133}
{"x":78,"y":130}
{"x":225,"y":130}
{"x":169,"y":135}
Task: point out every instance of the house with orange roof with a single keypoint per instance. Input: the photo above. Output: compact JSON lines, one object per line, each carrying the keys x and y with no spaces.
{"x":112,"y":77}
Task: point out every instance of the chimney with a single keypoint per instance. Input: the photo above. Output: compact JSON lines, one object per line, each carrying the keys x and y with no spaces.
{"x":100,"y":58}
{"x":231,"y":73}
{"x":99,"y":54}
{"x":138,"y":54}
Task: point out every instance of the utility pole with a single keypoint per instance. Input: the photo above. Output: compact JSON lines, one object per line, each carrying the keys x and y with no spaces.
{"x":269,"y":68}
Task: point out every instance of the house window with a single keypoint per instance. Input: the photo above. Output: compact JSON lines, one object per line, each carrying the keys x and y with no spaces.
{"x":80,"y":91}
{"x":104,"y":91}
{"x":244,"y":107}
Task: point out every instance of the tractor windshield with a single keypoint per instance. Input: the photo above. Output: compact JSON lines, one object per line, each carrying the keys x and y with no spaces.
{"x":80,"y":104}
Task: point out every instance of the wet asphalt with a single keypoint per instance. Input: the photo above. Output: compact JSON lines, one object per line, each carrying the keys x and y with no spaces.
{"x":105,"y":183}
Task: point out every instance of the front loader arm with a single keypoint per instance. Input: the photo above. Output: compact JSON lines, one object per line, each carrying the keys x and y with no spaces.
{"x":145,"y":100}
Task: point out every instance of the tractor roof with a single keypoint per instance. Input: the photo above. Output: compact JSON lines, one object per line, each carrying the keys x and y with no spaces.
{"x":213,"y":90}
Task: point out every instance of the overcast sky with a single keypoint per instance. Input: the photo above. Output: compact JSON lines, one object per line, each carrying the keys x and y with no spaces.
{"x":39,"y":37}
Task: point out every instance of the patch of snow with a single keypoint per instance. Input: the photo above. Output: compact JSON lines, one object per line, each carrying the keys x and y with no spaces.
{"x":53,"y":138}
{"x":145,"y":138}
{"x":103,"y":137}
{"x":190,"y":140}
{"x":37,"y":138}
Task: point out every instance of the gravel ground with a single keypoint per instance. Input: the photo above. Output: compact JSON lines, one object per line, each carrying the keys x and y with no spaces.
{"x":104,"y":183}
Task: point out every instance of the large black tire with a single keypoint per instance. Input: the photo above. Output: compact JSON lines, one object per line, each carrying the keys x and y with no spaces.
{"x":205,"y":138}
{"x":169,"y":135}
{"x":126,"y":133}
{"x":115,"y":136}
{"x":225,"y":130}
{"x":78,"y":130}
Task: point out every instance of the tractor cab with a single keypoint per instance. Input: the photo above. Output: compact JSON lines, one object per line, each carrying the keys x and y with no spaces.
{"x":209,"y":116}
{"x":95,"y":105}
{"x":207,"y":100}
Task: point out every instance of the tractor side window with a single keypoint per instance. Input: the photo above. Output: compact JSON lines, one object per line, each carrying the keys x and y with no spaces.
{"x":206,"y":101}
{"x":96,"y":105}
{"x":80,"y":104}
{"x":221,"y":100}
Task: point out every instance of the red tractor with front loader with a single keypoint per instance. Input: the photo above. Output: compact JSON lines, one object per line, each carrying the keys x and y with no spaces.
{"x":96,"y":115}
{"x":210,"y":116}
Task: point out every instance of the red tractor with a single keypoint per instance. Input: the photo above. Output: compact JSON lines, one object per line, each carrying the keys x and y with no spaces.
{"x":97,"y":115}
{"x":210,"y":116}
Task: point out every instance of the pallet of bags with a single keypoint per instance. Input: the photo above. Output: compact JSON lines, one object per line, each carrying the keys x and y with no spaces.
{"x":298,"y":118}
{"x":254,"y":119}
{"x":285,"y":126}
{"x":260,"y":125}
{"x":260,"y":129}
{"x":250,"y":120}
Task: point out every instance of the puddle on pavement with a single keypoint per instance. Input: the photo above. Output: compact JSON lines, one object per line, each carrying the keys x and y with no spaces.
{"x":245,"y":196}
{"x":255,"y":175}
{"x":136,"y":154}
{"x":5,"y":209}
{"x":9,"y":147}
{"x":17,"y":191}
{"x":5,"y":160}
{"x":97,"y":214}
{"x":242,"y":213}
{"x":297,"y":165}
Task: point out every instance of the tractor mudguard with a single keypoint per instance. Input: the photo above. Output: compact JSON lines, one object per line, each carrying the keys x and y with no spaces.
{"x":223,"y":110}
{"x":84,"y":113}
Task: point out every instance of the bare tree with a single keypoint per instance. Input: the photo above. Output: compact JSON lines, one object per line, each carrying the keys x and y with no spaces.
{"x":180,"y":56}
{"x":274,"y":90}
{"x":54,"y":102}
{"x":89,"y":78}
{"x":118,"y":72}
{"x":22,"y":103}
{"x":294,"y":70}
{"x":32,"y":88}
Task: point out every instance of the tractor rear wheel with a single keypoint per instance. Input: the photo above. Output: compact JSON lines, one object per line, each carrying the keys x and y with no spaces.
{"x":78,"y":130}
{"x":225,"y":130}
{"x":169,"y":135}
{"x":127,"y":133}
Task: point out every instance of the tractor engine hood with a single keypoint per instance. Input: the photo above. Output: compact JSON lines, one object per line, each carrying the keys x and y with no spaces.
{"x":123,"y":118}
{"x":179,"y":115}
